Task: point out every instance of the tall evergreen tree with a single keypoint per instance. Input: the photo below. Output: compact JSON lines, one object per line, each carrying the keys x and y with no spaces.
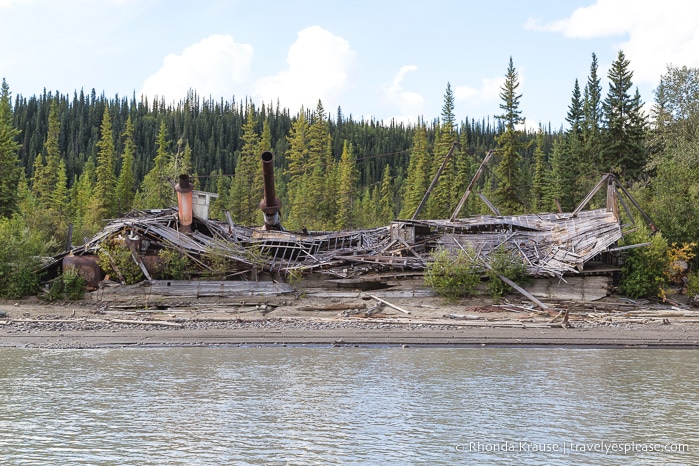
{"x":221,"y":203}
{"x":296,"y":173}
{"x":105,"y":185}
{"x":49,"y":180}
{"x":9,"y":160}
{"x":624,"y":135}
{"x":508,"y":170}
{"x":537,"y":192}
{"x":592,"y":113}
{"x":126,"y":184}
{"x":576,"y":114}
{"x":442,"y":200}
{"x":156,"y":188}
{"x":347,"y":185}
{"x":321,"y":181}
{"x":581,"y":157}
{"x":83,"y":200}
{"x":247,"y":188}
{"x":385,"y":204}
{"x":557,"y":183}
{"x":418,"y":179}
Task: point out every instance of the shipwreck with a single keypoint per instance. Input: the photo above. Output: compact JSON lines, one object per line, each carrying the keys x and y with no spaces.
{"x":549,"y":244}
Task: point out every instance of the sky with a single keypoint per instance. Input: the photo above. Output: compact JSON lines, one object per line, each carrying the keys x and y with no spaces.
{"x":380,"y":59}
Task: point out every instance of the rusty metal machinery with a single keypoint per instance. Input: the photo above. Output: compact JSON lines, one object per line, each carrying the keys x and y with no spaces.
{"x":270,"y":203}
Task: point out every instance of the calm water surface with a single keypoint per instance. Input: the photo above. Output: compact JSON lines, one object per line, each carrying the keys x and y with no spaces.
{"x":312,"y":405}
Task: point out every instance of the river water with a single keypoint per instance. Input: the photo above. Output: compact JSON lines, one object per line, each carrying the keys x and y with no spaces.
{"x":346,"y":405}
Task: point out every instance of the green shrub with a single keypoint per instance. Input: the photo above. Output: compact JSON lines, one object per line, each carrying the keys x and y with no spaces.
{"x":20,"y":249}
{"x":294,"y":276}
{"x":693,"y":283}
{"x":176,"y":264}
{"x":19,"y":279}
{"x":678,"y":259}
{"x":453,"y":276}
{"x":219,"y":265}
{"x":69,"y":285}
{"x":120,"y":255}
{"x":508,"y":263}
{"x":644,"y":269}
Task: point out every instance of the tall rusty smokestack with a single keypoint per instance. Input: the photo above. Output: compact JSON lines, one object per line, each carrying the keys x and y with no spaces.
{"x":270,"y":203}
{"x":184,"y":203}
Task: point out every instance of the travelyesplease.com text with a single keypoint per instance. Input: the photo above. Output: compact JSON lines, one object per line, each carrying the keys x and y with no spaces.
{"x":606,"y":448}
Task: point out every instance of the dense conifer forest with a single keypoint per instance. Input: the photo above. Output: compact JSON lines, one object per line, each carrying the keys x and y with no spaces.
{"x":85,"y":158}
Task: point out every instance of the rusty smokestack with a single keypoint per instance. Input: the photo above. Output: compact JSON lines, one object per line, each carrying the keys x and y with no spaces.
{"x":270,"y":203}
{"x":184,"y":203}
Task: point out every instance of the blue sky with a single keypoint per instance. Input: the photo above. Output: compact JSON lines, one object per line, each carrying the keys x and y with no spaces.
{"x":378,"y":59}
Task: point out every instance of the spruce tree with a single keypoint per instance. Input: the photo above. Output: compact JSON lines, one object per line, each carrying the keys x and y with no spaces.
{"x":418,"y":179}
{"x":576,"y":113}
{"x":624,"y":135}
{"x":221,"y":203}
{"x":157,"y":188}
{"x":296,"y":171}
{"x":509,"y":142}
{"x":247,"y":188}
{"x":582,"y":157}
{"x":592,"y":114}
{"x":83,"y":191}
{"x":442,"y":199}
{"x":347,"y":184}
{"x":105,"y":185}
{"x":9,"y":160}
{"x":540,"y":174}
{"x":557,"y":182}
{"x":49,"y":180}
{"x":126,"y":185}
{"x":386,"y":198}
{"x":321,"y":183}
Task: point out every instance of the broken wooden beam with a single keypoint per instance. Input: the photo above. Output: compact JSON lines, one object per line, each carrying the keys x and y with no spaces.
{"x":389,"y":304}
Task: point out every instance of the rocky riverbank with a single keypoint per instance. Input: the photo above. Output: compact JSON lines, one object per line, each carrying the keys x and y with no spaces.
{"x":344,"y":319}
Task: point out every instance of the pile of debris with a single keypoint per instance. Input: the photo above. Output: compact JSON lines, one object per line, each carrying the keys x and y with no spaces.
{"x":550,"y":244}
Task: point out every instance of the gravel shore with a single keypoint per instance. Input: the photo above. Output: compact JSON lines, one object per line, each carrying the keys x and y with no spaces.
{"x":315,"y":321}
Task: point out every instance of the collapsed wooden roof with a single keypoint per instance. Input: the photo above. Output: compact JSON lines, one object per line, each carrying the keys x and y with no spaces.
{"x":549,"y":244}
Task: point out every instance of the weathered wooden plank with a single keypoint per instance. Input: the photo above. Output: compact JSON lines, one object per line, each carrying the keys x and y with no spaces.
{"x":578,"y":289}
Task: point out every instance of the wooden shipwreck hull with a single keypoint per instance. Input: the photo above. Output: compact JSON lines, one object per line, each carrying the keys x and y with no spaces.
{"x":549,"y":244}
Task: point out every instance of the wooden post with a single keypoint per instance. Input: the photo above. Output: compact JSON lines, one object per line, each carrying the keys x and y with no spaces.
{"x":589,"y":196}
{"x":651,"y":225}
{"x":69,"y":242}
{"x":434,"y":182}
{"x":461,"y":203}
{"x":518,"y":288}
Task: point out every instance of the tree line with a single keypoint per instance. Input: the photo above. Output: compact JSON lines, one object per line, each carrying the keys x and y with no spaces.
{"x":84,"y":159}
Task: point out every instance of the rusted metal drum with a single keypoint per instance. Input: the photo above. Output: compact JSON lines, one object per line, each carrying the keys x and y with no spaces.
{"x":86,"y":266}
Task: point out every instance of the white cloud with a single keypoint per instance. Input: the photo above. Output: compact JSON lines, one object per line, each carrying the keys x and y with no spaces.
{"x":657,"y":33}
{"x":410,"y":105}
{"x":319,"y":66}
{"x":11,"y":3}
{"x":489,"y":91}
{"x":213,"y":67}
